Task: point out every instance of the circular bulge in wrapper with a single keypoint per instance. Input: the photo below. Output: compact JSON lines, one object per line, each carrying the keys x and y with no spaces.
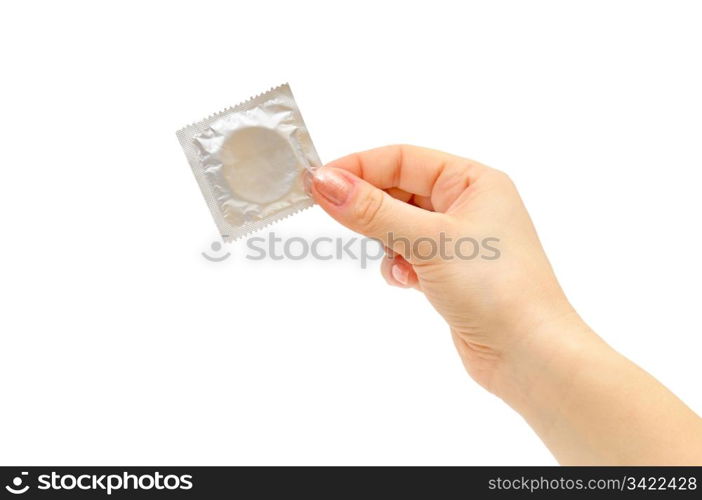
{"x":259,"y":164}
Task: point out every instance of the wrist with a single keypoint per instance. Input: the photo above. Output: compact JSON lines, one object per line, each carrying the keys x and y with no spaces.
{"x":542,"y":361}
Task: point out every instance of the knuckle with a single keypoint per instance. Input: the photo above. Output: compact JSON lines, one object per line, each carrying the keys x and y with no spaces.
{"x":501,"y":178}
{"x":367,"y":210}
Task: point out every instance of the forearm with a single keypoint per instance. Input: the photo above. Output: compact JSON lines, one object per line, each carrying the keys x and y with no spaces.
{"x":590,"y":405}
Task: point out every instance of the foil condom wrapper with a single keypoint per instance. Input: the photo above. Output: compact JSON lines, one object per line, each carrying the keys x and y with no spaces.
{"x":252,"y":162}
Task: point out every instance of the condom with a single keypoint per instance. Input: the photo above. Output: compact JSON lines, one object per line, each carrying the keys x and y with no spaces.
{"x":252,"y":162}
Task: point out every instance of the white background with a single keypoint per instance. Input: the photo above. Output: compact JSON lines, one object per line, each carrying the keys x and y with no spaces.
{"x":121,"y":344}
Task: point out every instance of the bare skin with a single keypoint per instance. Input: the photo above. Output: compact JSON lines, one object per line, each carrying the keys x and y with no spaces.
{"x":513,"y":327}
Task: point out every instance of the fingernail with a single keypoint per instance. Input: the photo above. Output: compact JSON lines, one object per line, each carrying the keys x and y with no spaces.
{"x":332,"y":185}
{"x":400,"y":273}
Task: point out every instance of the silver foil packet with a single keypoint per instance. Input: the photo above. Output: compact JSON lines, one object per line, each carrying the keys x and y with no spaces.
{"x":250,"y":162}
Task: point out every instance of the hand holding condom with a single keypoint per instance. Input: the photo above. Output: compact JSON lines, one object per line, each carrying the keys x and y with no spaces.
{"x":514,"y":329}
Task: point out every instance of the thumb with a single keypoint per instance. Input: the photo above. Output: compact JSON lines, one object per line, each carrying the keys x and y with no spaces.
{"x":364,"y":208}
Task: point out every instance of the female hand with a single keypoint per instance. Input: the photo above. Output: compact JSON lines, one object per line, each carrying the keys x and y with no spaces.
{"x":458,"y":231}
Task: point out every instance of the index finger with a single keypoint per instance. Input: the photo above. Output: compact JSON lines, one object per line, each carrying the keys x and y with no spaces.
{"x":428,"y":173}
